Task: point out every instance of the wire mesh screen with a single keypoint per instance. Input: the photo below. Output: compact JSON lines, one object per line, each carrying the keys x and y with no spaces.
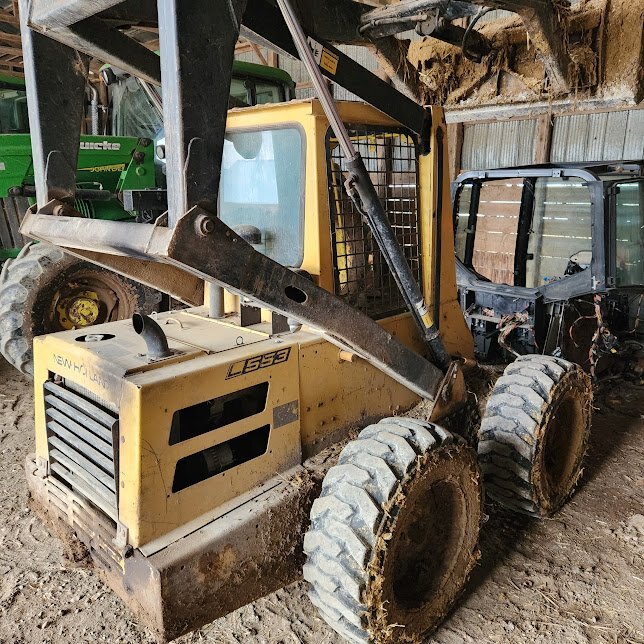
{"x":360,"y":271}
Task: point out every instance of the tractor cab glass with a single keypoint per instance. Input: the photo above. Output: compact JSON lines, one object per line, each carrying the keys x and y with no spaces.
{"x":629,"y":233}
{"x":255,"y":91}
{"x":13,"y":111}
{"x":261,"y":188}
{"x":524,"y":231}
{"x":133,"y":113}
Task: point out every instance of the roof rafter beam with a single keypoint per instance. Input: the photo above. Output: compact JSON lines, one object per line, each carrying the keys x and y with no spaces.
{"x":98,"y":39}
{"x":544,"y":24}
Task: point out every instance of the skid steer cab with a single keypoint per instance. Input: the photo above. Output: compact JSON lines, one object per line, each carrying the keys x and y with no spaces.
{"x":550,"y":260}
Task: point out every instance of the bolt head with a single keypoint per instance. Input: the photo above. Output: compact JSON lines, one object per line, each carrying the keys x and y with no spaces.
{"x":205,"y":225}
{"x":63,"y":210}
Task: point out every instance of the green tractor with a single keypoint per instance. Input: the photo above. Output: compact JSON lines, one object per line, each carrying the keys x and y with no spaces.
{"x":44,"y":290}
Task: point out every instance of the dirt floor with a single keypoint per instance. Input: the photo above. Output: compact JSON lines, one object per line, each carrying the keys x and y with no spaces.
{"x":576,"y":578}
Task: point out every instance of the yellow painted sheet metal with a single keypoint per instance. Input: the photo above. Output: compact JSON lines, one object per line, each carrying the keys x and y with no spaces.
{"x":451,"y":323}
{"x":148,"y":505}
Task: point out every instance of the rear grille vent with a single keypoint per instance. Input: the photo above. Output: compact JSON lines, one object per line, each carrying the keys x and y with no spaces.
{"x":83,"y":446}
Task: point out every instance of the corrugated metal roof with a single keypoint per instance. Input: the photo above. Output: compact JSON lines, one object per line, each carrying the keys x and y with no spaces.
{"x":634,"y":143}
{"x":498,"y":145}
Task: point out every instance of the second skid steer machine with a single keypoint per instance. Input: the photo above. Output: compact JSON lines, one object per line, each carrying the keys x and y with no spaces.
{"x":204,"y":458}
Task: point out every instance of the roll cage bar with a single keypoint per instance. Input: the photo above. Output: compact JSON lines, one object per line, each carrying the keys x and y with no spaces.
{"x":596,"y":279}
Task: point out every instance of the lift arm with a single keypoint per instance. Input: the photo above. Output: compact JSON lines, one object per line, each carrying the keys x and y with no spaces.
{"x":206,"y":247}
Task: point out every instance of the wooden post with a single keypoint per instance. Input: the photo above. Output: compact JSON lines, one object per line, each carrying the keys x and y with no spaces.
{"x":543,"y":139}
{"x":273,"y":58}
{"x":454,"y":148}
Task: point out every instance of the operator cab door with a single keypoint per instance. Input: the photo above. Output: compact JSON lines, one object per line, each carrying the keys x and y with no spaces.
{"x":531,"y":229}
{"x":626,"y":233}
{"x":525,"y":239}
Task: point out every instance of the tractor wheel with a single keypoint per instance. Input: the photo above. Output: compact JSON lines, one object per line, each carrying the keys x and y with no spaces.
{"x":45,"y":290}
{"x":534,"y":434}
{"x":394,"y":534}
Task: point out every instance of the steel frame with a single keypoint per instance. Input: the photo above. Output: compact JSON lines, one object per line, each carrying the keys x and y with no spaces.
{"x":582,"y":283}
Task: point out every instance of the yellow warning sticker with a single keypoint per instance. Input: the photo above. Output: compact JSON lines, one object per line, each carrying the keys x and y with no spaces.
{"x":329,"y":61}
{"x":323,"y":57}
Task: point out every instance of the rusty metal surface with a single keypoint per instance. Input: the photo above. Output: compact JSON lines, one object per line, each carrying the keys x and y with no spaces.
{"x":223,"y":257}
{"x":227,"y":259}
{"x":246,"y":554}
{"x":452,"y":394}
{"x":285,"y":414}
{"x":163,"y":277}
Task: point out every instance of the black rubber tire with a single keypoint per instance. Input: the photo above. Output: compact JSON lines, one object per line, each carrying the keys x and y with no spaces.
{"x":29,"y":280}
{"x":534,"y":434}
{"x":405,"y":498}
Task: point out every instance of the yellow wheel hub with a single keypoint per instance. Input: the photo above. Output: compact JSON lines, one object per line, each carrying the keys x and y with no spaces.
{"x":80,"y":310}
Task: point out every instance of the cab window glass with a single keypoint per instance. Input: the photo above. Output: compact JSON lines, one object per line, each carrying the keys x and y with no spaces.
{"x":267,"y":93}
{"x":13,"y":111}
{"x":133,"y":114}
{"x":629,"y":234}
{"x":560,"y":241}
{"x":462,"y":217}
{"x":497,"y":220}
{"x":239,"y":91}
{"x":262,"y":186}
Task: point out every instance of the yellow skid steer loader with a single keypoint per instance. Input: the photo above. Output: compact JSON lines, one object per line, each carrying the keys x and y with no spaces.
{"x":211,"y":455}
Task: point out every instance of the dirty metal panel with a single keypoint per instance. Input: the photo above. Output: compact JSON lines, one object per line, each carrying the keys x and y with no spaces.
{"x":634,"y":145}
{"x":366,"y":395}
{"x":165,"y":495}
{"x":210,"y":572}
{"x":601,"y":136}
{"x":498,"y":145}
{"x":615,"y":136}
{"x":222,"y":567}
{"x":285,"y":414}
{"x":596,"y":136}
{"x":569,"y":135}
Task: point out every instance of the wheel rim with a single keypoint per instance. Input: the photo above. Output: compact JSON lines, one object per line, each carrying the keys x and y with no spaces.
{"x":85,"y":299}
{"x":565,"y":437}
{"x":428,"y":545}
